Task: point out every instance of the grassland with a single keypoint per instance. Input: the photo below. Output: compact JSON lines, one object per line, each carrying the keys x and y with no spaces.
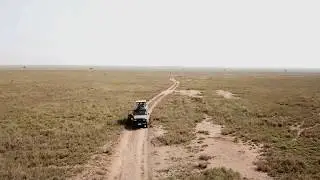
{"x":180,"y":117}
{"x":281,"y":111}
{"x":51,"y":122}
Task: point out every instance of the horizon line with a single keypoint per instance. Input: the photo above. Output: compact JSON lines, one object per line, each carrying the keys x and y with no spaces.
{"x":154,"y":66}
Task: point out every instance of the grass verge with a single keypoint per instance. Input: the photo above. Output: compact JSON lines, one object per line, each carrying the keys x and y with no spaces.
{"x":53,"y":121}
{"x":217,"y":174}
{"x":180,"y":117}
{"x":268,"y":107}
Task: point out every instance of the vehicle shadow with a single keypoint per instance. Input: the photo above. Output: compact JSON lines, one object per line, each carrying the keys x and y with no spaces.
{"x":127,"y":124}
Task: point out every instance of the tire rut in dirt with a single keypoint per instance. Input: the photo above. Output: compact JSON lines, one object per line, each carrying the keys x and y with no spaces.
{"x":131,"y":160}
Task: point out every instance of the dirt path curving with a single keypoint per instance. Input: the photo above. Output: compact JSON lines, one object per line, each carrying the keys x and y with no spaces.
{"x":130,"y":161}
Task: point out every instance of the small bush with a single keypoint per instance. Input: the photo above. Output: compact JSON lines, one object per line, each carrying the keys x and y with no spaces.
{"x":262,"y":166}
{"x":205,"y":157}
{"x":204,"y":132}
{"x":202,"y":165}
{"x":216,"y":173}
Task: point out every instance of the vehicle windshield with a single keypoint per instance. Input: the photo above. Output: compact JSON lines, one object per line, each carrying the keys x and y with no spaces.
{"x":140,"y":112}
{"x":141,"y":104}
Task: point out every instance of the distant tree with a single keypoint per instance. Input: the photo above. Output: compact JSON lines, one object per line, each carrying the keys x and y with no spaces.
{"x":285,"y":70}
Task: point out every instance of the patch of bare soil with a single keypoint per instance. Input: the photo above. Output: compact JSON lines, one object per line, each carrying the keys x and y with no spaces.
{"x":190,"y":93}
{"x":210,"y":149}
{"x":226,"y":94}
{"x":226,"y":153}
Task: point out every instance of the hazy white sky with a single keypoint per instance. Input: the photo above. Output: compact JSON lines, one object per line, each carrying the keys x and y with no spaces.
{"x":247,"y":33}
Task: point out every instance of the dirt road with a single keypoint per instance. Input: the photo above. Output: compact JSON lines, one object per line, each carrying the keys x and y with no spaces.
{"x":130,"y":161}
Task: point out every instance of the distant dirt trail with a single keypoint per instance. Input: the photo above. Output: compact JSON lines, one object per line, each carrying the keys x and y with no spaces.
{"x":130,"y":161}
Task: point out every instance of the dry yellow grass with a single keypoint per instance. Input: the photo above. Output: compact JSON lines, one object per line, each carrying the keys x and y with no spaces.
{"x":178,"y":115}
{"x":53,"y":121}
{"x":268,"y":107}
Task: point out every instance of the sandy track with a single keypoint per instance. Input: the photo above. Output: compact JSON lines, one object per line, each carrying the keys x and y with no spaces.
{"x":130,"y":161}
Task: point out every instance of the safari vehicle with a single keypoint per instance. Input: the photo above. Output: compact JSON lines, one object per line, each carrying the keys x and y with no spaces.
{"x":140,"y":115}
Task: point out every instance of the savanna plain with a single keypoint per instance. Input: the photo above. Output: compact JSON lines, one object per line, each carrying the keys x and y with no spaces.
{"x":214,"y":125}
